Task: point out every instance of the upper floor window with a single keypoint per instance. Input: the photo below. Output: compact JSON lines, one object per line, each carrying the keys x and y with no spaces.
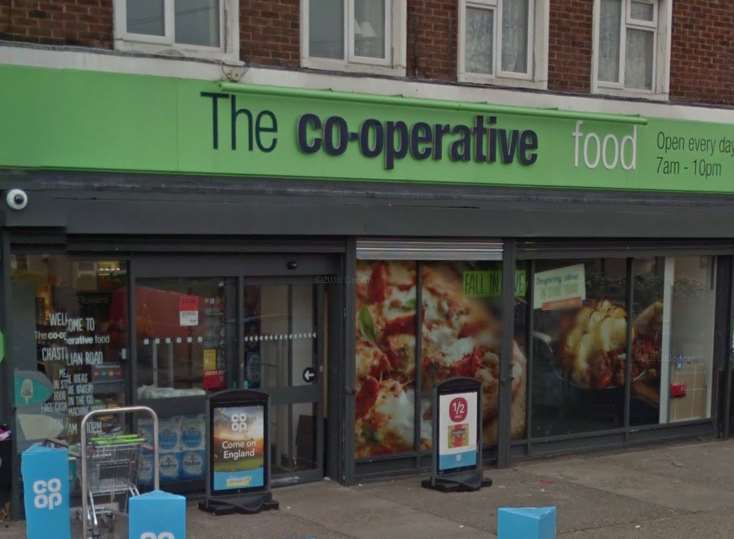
{"x":194,"y":28}
{"x":631,"y":53}
{"x":354,"y":35}
{"x":503,"y":41}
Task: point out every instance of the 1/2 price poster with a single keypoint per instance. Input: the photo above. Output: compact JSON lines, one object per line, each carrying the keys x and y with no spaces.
{"x":457,"y":436}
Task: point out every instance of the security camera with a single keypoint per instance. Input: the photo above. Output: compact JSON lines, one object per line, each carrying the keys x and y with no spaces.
{"x":17,"y":199}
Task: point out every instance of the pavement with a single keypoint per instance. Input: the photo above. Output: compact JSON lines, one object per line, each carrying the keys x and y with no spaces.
{"x":670,"y":491}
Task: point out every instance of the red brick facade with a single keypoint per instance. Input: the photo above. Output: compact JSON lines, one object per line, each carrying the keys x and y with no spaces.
{"x":86,"y":23}
{"x":570,"y":46}
{"x":702,"y":63}
{"x":702,"y":57}
{"x":270,"y":32}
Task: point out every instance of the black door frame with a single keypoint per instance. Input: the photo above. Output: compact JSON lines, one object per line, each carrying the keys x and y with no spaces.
{"x":245,"y":268}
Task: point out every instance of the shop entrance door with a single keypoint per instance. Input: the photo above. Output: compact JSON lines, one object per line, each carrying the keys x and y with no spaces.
{"x":254,"y":321}
{"x":284,"y":326}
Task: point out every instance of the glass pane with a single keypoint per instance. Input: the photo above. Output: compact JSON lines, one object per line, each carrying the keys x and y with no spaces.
{"x":281,"y":337}
{"x":293,"y":437}
{"x":385,"y":358}
{"x":639,"y":63}
{"x":69,"y":328}
{"x":609,"y":40}
{"x":579,"y":340}
{"x":693,"y":299}
{"x":515,"y":21}
{"x":197,"y":22}
{"x":185,"y":336}
{"x":479,"y":43}
{"x":462,"y":336}
{"x":326,"y":29}
{"x":647,"y":343}
{"x":369,"y":28}
{"x":642,"y":11}
{"x":520,"y":368}
{"x":145,"y":17}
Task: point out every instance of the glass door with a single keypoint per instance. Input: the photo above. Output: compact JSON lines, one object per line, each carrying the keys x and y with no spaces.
{"x":284,"y":334}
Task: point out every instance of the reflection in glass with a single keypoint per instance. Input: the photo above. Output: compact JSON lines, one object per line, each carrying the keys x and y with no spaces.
{"x":197,"y":22}
{"x":326,"y":29}
{"x":479,"y":42}
{"x":691,"y":352}
{"x":69,"y":323}
{"x":369,"y":28}
{"x":579,"y":340}
{"x":145,"y":17}
{"x":184,"y":335}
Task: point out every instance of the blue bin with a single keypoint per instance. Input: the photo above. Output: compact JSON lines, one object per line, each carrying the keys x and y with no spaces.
{"x":45,"y":472}
{"x":526,"y":523}
{"x":157,"y":515}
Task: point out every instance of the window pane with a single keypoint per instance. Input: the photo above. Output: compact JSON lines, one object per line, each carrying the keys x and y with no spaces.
{"x":326,"y":29}
{"x":385,"y":362}
{"x":185,"y":336}
{"x":693,"y":298}
{"x":579,"y":346}
{"x":369,"y":28}
{"x":69,"y":323}
{"x":515,"y":20}
{"x":479,"y":40}
{"x":461,"y":335}
{"x":197,"y":22}
{"x":642,"y":11}
{"x":639,"y":62}
{"x":609,"y":40}
{"x":145,"y":17}
{"x":647,"y":343}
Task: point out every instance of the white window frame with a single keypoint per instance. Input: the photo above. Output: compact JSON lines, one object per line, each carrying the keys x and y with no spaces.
{"x":395,"y":43}
{"x":537,"y":61}
{"x":229,"y":35}
{"x":660,"y":26}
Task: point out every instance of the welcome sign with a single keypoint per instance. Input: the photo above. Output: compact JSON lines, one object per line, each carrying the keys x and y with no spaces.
{"x":165,"y":125}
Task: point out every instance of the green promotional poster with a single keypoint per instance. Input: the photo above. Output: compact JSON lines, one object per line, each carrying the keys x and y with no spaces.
{"x":167,"y":125}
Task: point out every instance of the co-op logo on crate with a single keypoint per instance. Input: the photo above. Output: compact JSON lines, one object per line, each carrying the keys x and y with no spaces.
{"x":239,"y":422}
{"x":47,"y":494}
{"x":162,"y":535}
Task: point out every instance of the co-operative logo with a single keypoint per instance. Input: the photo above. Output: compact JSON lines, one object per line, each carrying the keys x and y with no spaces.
{"x":48,"y":494}
{"x":239,"y":422}
{"x":153,"y":535}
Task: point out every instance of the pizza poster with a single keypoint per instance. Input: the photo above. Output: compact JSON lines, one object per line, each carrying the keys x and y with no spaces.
{"x":238,"y":442}
{"x":457,"y":436}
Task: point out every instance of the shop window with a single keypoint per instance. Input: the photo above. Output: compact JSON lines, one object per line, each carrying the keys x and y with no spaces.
{"x":184,"y":336}
{"x":631,"y":45}
{"x":503,"y":41}
{"x":385,"y":358}
{"x":189,"y":28}
{"x":460,"y":335}
{"x":580,"y":341}
{"x":354,"y":35}
{"x":69,"y":327}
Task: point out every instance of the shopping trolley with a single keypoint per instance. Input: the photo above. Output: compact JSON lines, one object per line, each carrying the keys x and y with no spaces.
{"x":109,"y":471}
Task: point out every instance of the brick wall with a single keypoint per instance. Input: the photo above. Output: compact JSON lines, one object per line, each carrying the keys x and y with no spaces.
{"x":570,"y":46}
{"x":432,"y":31}
{"x":702,"y":57}
{"x":87,"y":23}
{"x":270,"y":32}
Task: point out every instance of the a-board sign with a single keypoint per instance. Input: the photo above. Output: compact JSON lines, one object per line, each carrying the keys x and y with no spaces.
{"x":237,"y":442}
{"x":457,"y":436}
{"x":238,"y":479}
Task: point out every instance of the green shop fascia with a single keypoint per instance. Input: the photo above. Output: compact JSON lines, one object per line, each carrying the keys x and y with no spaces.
{"x":579,"y":264}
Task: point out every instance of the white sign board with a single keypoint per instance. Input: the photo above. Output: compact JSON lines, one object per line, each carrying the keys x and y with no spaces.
{"x":457,"y":436}
{"x":559,"y":287}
